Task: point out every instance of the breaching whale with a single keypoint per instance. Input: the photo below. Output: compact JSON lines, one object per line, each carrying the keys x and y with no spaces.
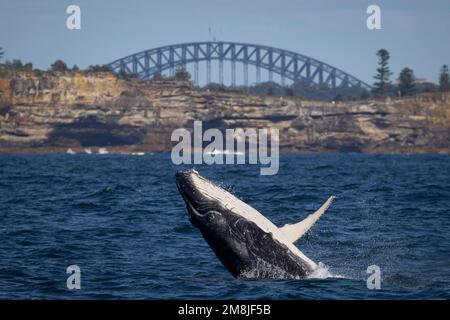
{"x":248,"y":244}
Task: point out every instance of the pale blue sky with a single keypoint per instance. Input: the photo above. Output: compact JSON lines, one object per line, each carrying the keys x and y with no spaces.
{"x":415,"y":32}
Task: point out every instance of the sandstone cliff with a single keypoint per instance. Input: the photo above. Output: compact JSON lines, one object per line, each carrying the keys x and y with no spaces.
{"x":51,"y":112}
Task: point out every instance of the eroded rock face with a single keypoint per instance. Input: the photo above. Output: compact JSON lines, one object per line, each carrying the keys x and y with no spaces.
{"x":53,"y":112}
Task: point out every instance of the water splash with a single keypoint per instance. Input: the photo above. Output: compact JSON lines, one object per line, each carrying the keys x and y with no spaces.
{"x":264,"y":269}
{"x":322,"y":272}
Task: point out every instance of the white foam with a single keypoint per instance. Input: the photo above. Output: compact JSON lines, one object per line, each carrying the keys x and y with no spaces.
{"x":322,"y":272}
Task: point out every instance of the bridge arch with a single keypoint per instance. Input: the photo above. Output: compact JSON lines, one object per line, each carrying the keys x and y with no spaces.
{"x":287,"y":64}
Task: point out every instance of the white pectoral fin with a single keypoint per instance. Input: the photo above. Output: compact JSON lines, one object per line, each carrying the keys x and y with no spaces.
{"x":295,"y":231}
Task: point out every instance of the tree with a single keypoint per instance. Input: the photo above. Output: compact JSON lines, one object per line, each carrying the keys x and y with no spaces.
{"x":122,"y":74}
{"x":75,"y":68}
{"x":2,"y":52}
{"x":28,"y":66}
{"x":338,"y":97}
{"x":181,"y":74}
{"x":98,"y":68}
{"x":289,"y":92}
{"x":364,"y":95}
{"x":444,"y":79}
{"x":158,"y":76}
{"x":16,"y":63}
{"x":383,"y":72}
{"x":59,"y":65}
{"x":406,"y":82}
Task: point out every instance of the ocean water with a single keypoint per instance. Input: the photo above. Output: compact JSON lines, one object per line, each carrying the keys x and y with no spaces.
{"x":122,"y":221}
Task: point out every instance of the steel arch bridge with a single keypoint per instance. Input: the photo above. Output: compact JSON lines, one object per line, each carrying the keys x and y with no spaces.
{"x":287,"y":64}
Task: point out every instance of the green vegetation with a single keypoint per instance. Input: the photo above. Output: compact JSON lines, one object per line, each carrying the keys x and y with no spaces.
{"x":289,"y":92}
{"x":181,"y":74}
{"x":2,"y":52}
{"x":444,"y":79}
{"x":364,"y":96}
{"x":383,"y":73}
{"x":122,"y":74}
{"x":98,"y":68}
{"x":406,"y":82}
{"x":158,"y":77}
{"x":300,"y":88}
{"x":217,"y":87}
{"x":28,"y":66}
{"x":10,"y":67}
{"x":59,"y":66}
{"x":15,"y":63}
{"x":127,"y":93}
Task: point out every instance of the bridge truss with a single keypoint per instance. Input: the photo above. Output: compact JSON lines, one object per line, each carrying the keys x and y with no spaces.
{"x":287,"y":64}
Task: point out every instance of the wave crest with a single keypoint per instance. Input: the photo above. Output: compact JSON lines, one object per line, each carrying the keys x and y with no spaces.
{"x":322,"y":272}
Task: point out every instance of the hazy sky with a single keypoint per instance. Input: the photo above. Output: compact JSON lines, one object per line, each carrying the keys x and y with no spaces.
{"x":417,"y":33}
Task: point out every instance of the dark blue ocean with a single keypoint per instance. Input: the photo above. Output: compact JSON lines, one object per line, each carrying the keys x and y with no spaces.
{"x":123,"y":222}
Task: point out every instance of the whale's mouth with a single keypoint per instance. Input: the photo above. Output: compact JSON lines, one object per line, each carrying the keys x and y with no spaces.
{"x":188,"y":191}
{"x":192,"y":211}
{"x":185,"y":185}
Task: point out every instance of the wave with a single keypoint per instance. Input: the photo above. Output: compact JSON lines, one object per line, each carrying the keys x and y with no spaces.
{"x":267,"y":270}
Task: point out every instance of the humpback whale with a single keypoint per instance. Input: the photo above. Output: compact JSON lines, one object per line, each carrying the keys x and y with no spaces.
{"x":247,"y":243}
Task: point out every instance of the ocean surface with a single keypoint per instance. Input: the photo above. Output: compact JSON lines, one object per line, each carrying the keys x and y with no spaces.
{"x":122,"y":221}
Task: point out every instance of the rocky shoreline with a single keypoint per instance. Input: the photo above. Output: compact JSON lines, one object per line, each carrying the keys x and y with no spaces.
{"x":52,"y":112}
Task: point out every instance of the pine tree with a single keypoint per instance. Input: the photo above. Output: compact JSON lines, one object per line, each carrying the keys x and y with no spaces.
{"x":383,"y":72}
{"x":406,"y":85}
{"x":444,"y":79}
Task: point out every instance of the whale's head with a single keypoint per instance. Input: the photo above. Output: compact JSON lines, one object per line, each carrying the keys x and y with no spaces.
{"x":204,"y":200}
{"x":218,"y":216}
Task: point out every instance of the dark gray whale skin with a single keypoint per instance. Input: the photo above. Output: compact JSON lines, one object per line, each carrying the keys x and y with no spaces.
{"x":243,"y":247}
